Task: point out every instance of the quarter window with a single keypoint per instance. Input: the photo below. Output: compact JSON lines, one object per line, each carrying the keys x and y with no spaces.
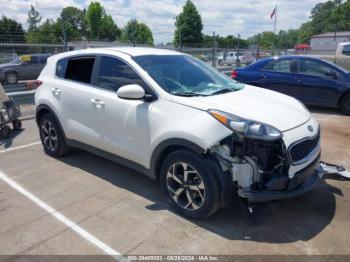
{"x":80,"y":69}
{"x":114,"y":73}
{"x":313,"y":68}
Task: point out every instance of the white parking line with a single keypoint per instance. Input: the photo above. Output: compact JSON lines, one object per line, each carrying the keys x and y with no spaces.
{"x":19,"y":147}
{"x":83,"y":233}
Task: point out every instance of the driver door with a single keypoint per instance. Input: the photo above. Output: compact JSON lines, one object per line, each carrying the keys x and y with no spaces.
{"x":121,"y":126}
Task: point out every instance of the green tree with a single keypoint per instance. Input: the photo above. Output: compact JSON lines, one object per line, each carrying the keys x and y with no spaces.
{"x":33,"y":18}
{"x":94,"y":17}
{"x":50,"y":32}
{"x":189,"y":25}
{"x":109,"y":30}
{"x":72,"y":19}
{"x":138,"y":33}
{"x":11,"y":31}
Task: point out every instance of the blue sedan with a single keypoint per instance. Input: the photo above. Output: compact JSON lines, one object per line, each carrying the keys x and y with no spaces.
{"x":311,"y":80}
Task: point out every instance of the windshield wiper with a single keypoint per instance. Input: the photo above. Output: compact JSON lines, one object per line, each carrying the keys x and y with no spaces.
{"x":187,"y":94}
{"x":222,"y":91}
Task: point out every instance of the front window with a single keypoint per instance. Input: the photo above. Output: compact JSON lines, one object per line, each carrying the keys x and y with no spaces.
{"x":186,"y":76}
{"x":114,"y":73}
{"x":314,"y":68}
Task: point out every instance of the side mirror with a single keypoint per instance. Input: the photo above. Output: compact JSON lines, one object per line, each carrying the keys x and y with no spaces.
{"x":332,"y":74}
{"x":131,"y":92}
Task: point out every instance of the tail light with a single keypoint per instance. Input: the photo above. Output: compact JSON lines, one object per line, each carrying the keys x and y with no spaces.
{"x":32,"y":85}
{"x":234,"y":74}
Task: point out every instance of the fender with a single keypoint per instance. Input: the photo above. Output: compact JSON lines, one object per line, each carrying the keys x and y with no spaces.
{"x":162,"y":150}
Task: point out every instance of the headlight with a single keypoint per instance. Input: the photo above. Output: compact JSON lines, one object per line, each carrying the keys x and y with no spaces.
{"x":245,"y":127}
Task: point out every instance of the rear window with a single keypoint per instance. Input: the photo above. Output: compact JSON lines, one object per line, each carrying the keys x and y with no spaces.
{"x":79,"y":69}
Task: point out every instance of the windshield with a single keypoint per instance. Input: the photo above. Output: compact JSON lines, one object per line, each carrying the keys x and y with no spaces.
{"x":184,"y":75}
{"x":17,"y":60}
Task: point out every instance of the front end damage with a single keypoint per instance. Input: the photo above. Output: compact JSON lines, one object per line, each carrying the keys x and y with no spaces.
{"x":260,"y":171}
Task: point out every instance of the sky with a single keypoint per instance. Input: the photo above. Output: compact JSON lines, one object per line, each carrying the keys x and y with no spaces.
{"x":244,"y":17}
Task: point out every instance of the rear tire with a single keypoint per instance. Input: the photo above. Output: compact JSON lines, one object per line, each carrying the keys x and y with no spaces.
{"x":345,"y":104}
{"x":190,"y":184}
{"x":52,"y":137}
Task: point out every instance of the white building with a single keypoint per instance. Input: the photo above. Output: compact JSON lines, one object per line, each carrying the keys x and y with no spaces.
{"x":325,"y":42}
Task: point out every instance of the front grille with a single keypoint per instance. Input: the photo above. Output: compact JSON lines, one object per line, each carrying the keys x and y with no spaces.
{"x":300,"y":151}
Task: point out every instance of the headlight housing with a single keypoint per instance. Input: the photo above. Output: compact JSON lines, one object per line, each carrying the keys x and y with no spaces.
{"x":245,"y":127}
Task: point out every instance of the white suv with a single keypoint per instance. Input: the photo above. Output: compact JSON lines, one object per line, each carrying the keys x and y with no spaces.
{"x":205,"y":137}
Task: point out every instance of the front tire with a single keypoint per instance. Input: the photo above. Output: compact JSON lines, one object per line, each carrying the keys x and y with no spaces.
{"x":190,"y":184}
{"x":52,"y":137}
{"x":345,"y":104}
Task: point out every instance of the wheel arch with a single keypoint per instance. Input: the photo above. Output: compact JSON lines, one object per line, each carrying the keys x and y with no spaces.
{"x":45,"y":109}
{"x":167,"y":147}
{"x":342,"y":96}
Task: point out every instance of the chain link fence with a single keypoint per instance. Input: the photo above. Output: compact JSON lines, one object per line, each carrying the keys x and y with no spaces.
{"x":20,"y":63}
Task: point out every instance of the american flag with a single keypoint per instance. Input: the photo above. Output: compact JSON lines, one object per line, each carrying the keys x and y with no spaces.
{"x":273,"y":13}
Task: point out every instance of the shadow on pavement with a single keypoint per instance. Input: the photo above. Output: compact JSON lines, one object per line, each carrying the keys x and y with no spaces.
{"x":7,"y":142}
{"x":325,"y":110}
{"x":287,"y":221}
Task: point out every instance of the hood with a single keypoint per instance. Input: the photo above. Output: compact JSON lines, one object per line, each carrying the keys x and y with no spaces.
{"x":275,"y":109}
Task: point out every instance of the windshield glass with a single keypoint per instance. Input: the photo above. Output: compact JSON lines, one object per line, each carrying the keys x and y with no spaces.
{"x":184,"y":75}
{"x":17,"y":60}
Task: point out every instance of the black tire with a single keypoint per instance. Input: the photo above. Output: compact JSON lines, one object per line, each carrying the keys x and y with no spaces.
{"x":17,"y":124}
{"x":345,"y":104}
{"x":204,"y":202}
{"x":11,"y":78}
{"x":52,"y":137}
{"x":5,"y":132}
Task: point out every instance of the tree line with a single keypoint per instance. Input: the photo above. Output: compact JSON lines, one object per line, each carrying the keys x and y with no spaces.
{"x":94,"y":23}
{"x":74,"y":24}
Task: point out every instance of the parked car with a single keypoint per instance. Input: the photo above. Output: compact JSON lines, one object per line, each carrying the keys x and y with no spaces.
{"x":172,"y":117}
{"x":341,"y":56}
{"x":311,"y":80}
{"x":235,"y":58}
{"x":26,"y":67}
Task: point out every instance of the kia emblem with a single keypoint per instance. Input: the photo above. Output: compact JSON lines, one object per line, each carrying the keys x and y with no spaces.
{"x":310,"y":128}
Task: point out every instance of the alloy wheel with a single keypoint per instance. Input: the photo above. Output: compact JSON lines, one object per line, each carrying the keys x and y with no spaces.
{"x":185,"y":186}
{"x":49,"y":135}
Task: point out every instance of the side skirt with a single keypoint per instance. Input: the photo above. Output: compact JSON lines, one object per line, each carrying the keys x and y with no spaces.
{"x":120,"y":160}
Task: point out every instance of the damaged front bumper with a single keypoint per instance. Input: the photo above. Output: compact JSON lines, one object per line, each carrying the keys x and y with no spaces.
{"x":303,"y":182}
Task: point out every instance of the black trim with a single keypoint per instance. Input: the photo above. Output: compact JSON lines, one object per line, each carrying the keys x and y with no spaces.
{"x":161,"y":148}
{"x":120,"y":160}
{"x":304,"y":181}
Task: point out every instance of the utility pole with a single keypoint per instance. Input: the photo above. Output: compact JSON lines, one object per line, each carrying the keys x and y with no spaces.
{"x":64,"y":36}
{"x":238,"y":62}
{"x":133,"y":33}
{"x":180,"y":35}
{"x":336,"y":23}
{"x":214,"y":51}
{"x":274,"y":32}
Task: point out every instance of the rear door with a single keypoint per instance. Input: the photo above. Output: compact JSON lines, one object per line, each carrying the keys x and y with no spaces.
{"x":280,"y":75}
{"x":318,"y":87}
{"x":71,"y":92}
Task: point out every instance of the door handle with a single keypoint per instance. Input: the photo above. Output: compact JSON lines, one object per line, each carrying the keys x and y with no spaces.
{"x":97,"y":102}
{"x":56,"y":91}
